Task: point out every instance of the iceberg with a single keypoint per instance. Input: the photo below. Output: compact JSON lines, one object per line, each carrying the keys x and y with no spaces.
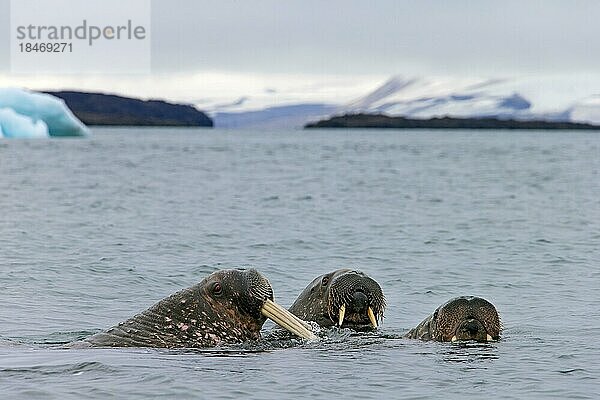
{"x":28,"y":114}
{"x":17,"y":125}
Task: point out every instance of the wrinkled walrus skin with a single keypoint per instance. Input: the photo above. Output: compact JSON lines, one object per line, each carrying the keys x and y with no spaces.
{"x":224,"y":308}
{"x":344,"y":298}
{"x":460,"y":319}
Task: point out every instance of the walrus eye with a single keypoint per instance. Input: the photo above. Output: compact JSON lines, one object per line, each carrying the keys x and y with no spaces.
{"x":217,"y":289}
{"x":325,"y":281}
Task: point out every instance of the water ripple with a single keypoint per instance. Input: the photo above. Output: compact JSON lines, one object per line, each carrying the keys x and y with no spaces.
{"x":95,"y":230}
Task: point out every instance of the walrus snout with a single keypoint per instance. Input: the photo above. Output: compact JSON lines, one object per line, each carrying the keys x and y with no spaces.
{"x":258,"y":285}
{"x":356,"y":300}
{"x":471,"y":329}
{"x":359,"y":301}
{"x":471,"y":326}
{"x":345,"y":298}
{"x":460,"y":318}
{"x":260,"y":290}
{"x":468,"y":318}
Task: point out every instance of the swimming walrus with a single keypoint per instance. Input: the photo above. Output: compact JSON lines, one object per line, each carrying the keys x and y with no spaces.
{"x":228,"y":306}
{"x":461,"y":318}
{"x":344,"y":298}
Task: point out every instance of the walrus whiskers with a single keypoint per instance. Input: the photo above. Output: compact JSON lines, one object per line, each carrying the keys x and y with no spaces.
{"x":344,"y":298}
{"x":459,"y":319}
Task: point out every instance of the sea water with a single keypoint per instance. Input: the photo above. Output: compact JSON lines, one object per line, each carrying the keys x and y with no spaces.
{"x":94,"y":230}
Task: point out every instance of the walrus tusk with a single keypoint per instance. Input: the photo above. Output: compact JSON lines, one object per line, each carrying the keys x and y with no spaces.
{"x":372,"y":318}
{"x":286,"y":319}
{"x":342,"y":314}
{"x":489,"y":338}
{"x":454,"y":338}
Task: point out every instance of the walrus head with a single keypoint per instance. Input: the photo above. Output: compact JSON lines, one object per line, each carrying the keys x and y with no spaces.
{"x":345,"y":298}
{"x":228,"y":306}
{"x":466,"y":318}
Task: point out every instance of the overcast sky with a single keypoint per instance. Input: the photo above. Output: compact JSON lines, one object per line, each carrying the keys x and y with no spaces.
{"x":378,"y":37}
{"x":200,"y":48}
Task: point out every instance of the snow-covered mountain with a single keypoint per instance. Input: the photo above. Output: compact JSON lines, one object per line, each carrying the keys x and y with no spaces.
{"x":586,"y":110}
{"x":545,"y":98}
{"x":426,"y":98}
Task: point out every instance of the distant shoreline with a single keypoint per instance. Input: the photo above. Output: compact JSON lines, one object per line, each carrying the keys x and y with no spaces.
{"x":388,"y":122}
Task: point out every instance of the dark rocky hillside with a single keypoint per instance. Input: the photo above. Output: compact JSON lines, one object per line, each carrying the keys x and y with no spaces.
{"x":108,"y":109}
{"x":385,"y":121}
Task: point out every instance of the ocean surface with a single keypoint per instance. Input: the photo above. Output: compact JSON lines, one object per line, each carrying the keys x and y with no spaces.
{"x":94,"y":230}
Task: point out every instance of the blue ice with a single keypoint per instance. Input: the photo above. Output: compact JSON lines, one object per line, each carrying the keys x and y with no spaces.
{"x":29,"y":114}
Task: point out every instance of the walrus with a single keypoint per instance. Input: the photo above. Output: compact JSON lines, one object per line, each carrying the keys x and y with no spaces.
{"x":344,"y":298}
{"x":459,"y":319}
{"x":227,"y":307}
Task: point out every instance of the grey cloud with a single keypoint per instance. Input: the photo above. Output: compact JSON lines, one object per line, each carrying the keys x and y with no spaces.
{"x":383,"y":37}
